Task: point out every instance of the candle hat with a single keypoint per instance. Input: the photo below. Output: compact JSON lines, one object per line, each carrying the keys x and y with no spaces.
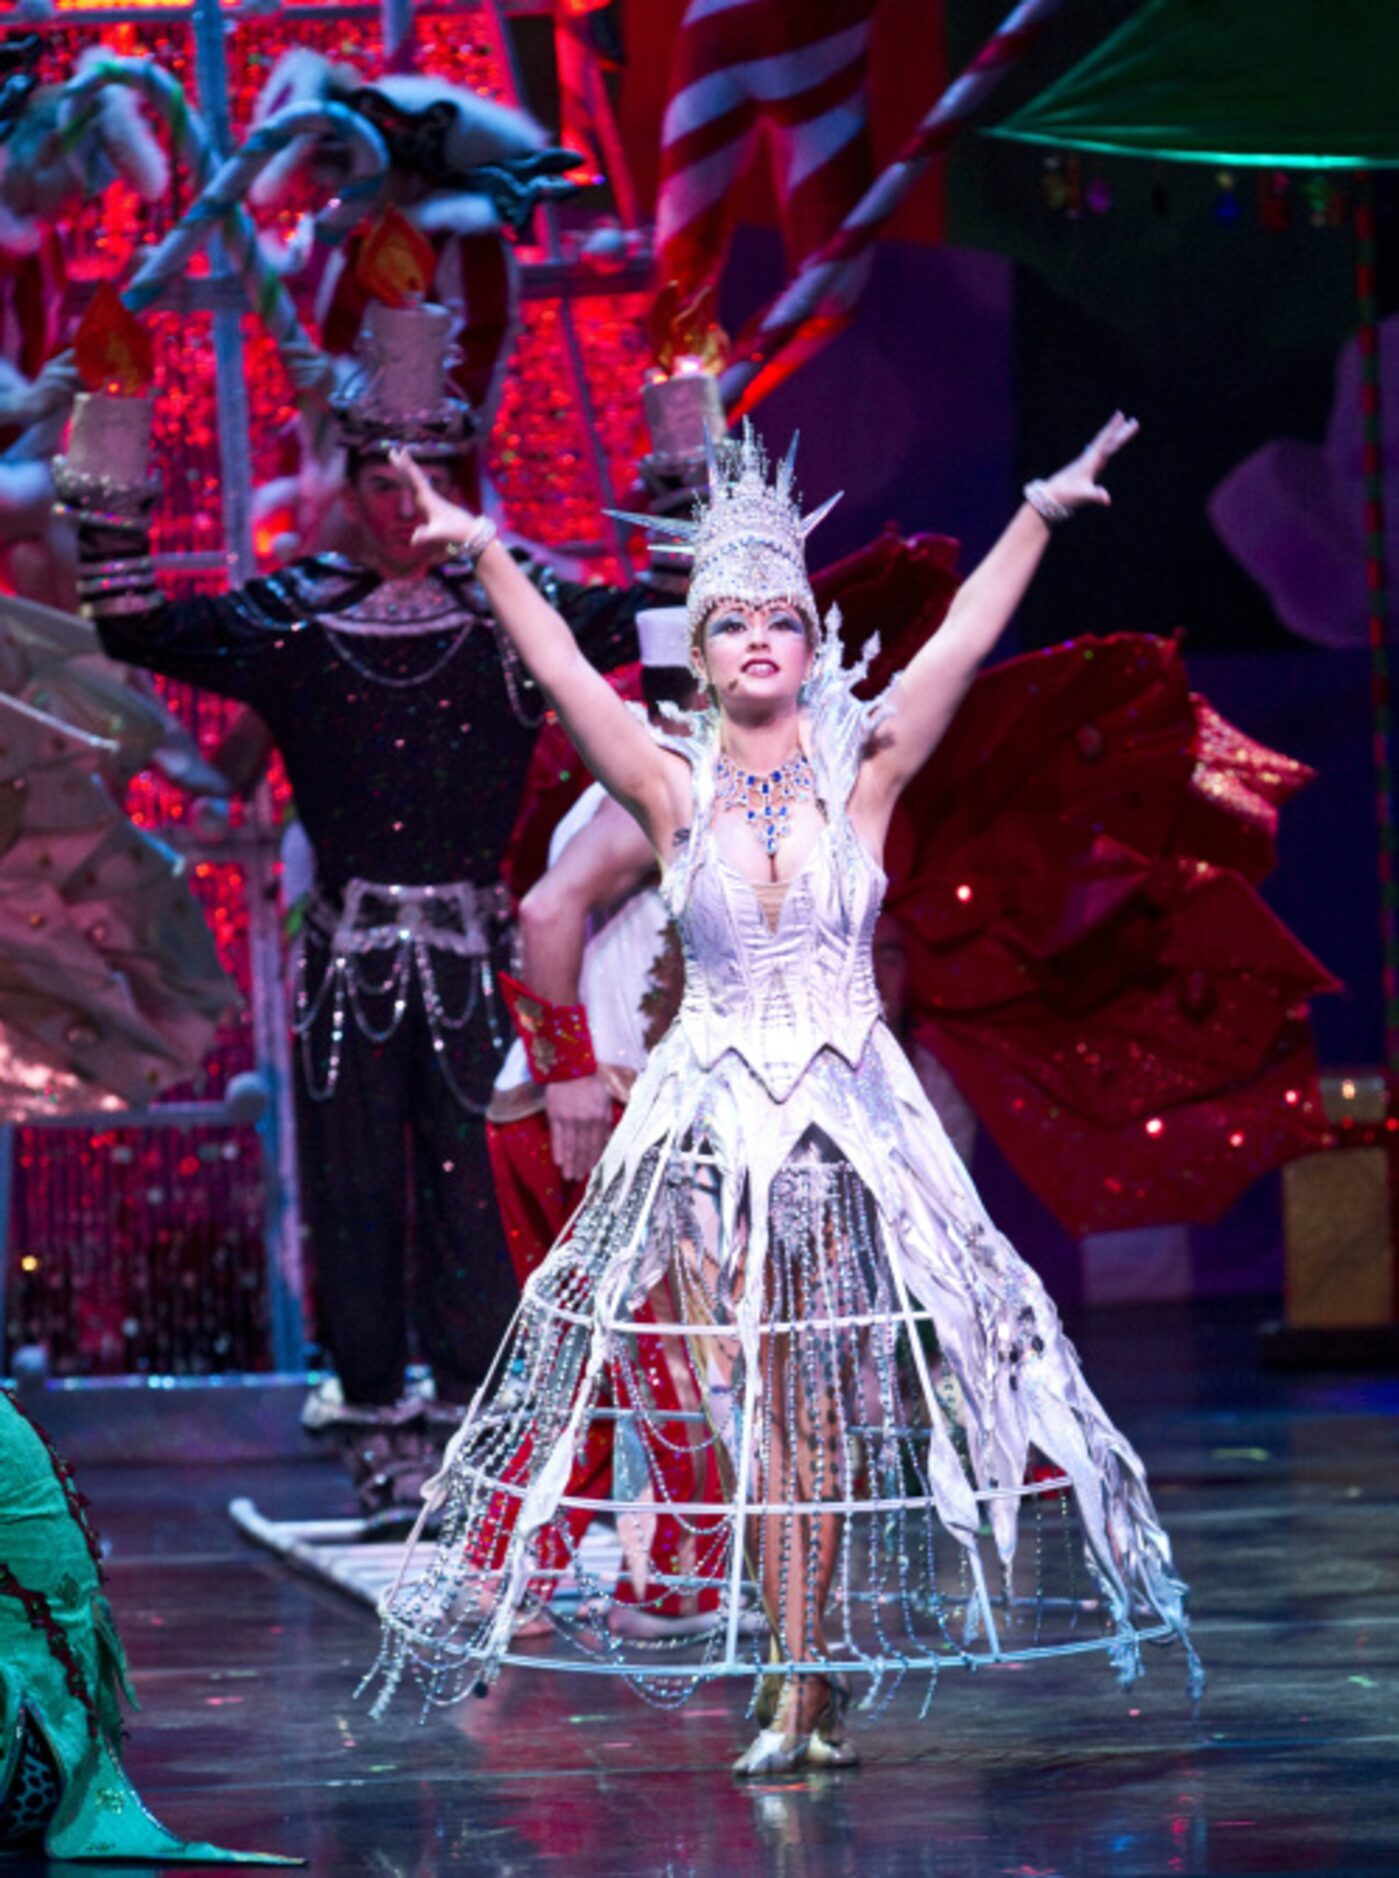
{"x":395,"y":394}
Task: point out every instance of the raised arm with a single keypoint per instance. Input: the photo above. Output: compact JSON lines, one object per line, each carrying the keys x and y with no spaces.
{"x":228,"y":643}
{"x":937,"y":680}
{"x":616,"y":747}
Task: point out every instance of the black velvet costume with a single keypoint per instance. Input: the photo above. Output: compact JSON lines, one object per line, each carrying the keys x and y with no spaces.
{"x":407,"y":754}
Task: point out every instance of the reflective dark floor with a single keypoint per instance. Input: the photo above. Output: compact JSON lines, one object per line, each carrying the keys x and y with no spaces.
{"x":1282,"y":1495}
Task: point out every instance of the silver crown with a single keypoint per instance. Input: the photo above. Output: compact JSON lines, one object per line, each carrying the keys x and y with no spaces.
{"x":747,"y":538}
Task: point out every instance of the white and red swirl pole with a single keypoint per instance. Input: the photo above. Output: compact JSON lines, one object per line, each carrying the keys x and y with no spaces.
{"x":817,"y":302}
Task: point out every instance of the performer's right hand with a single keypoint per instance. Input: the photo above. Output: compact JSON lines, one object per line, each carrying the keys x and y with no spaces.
{"x":580,"y":1120}
{"x":1076,"y":486}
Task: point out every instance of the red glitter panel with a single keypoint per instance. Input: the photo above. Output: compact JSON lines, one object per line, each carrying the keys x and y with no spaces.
{"x":139,"y":1250}
{"x":454,"y":46}
{"x":143,"y":1250}
{"x":539,"y":450}
{"x":271,"y":406}
{"x":221,"y":888}
{"x":186,"y":442}
{"x":540,"y":453}
{"x":612,"y":339}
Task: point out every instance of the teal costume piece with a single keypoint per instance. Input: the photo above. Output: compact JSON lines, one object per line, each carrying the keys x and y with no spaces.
{"x":62,"y":1669}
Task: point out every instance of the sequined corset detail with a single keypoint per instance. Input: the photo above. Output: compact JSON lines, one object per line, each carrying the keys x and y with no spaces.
{"x":777,"y":994}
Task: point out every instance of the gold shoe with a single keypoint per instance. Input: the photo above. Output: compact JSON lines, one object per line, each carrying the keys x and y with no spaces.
{"x":828,"y":1745}
{"x":772,"y":1751}
{"x":778,"y":1748}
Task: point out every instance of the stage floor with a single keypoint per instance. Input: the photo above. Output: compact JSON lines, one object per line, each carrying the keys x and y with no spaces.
{"x":1281,"y":1493}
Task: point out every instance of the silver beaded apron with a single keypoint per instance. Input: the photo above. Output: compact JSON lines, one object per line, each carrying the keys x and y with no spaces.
{"x":375,"y":944}
{"x":896,"y":1463}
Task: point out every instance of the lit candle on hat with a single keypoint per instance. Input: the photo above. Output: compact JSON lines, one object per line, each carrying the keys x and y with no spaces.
{"x":111,"y":430}
{"x":397,"y":393}
{"x":681,"y":394}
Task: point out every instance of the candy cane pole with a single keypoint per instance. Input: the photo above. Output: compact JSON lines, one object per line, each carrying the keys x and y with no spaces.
{"x":220,"y":201}
{"x":188,"y":134}
{"x":220,"y":206}
{"x":830,"y":279}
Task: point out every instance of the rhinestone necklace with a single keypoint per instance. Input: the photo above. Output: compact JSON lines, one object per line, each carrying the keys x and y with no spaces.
{"x":764,"y":796}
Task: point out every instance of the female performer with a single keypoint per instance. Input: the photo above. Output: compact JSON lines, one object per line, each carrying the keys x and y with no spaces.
{"x":781,"y":1180}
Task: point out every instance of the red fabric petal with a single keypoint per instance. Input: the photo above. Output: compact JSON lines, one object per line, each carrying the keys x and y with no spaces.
{"x":1073,"y":870}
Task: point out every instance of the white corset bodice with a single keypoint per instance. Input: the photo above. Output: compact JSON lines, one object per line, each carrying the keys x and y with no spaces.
{"x":778,"y":997}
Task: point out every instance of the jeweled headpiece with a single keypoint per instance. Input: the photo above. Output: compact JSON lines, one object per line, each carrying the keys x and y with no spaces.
{"x":747,"y":537}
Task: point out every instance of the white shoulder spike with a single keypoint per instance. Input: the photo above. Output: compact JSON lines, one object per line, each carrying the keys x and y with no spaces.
{"x":711,"y":462}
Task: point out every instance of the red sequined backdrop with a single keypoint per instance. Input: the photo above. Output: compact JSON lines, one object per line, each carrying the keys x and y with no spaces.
{"x":144,"y":1249}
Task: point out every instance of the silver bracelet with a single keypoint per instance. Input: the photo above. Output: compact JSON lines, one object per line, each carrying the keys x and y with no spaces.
{"x":476,"y":543}
{"x":1049,"y":509}
{"x":481,"y":539}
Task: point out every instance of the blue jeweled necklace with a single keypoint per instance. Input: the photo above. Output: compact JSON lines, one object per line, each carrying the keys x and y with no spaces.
{"x":764,"y":796}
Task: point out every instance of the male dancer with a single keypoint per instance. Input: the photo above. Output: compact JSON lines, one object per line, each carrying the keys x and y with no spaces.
{"x":406,"y":723}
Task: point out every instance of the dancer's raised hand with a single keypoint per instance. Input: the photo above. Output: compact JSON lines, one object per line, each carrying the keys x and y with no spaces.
{"x":1077,"y":485}
{"x":442,"y":523}
{"x":651,"y":784}
{"x":936,"y":680}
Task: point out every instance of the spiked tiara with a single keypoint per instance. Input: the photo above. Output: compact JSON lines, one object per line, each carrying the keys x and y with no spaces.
{"x":747,"y":537}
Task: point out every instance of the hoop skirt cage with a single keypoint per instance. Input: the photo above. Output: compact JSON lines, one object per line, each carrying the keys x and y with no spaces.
{"x":849,"y":1432}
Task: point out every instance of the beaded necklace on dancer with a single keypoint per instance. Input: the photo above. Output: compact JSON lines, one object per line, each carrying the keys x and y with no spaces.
{"x":764,"y":798}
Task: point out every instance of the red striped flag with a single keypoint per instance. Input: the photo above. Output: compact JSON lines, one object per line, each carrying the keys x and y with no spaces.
{"x":817,"y":303}
{"x":793,"y":70}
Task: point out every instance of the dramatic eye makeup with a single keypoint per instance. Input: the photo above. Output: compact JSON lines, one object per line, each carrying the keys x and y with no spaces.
{"x":736,"y":623}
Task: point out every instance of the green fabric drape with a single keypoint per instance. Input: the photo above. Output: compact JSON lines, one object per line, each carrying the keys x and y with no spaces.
{"x":61,"y":1660}
{"x":1301,"y":83}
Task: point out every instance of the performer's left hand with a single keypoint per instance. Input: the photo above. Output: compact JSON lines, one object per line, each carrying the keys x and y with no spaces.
{"x":442,"y":523}
{"x":1077,"y":485}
